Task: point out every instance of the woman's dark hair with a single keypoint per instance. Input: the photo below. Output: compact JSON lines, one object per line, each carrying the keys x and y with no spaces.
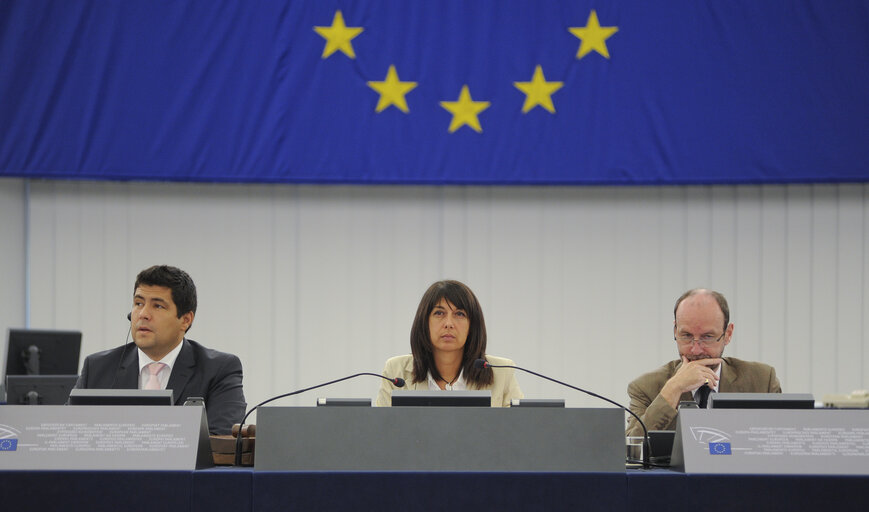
{"x":461,"y":297}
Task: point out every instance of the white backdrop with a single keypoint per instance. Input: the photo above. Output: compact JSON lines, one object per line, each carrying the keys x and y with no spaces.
{"x":12,"y":257}
{"x":310,"y":283}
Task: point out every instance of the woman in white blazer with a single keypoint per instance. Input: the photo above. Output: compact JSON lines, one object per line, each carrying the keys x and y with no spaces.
{"x":447,"y":336}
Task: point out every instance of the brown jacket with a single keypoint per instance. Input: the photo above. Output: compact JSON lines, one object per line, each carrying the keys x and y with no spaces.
{"x":737,"y":376}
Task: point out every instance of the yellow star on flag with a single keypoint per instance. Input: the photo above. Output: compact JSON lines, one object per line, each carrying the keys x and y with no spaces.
{"x":338,"y":36}
{"x":392,"y":91}
{"x":465,"y":111}
{"x":538,"y":91}
{"x":593,"y":36}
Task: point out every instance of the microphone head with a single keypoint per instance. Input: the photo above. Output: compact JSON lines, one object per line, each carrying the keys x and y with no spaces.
{"x":481,"y":363}
{"x":399,"y":382}
{"x":130,"y":316}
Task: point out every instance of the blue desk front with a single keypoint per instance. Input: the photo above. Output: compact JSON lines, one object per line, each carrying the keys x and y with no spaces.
{"x":245,"y":490}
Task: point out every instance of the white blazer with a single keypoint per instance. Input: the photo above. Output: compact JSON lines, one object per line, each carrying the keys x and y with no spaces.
{"x":504,"y":388}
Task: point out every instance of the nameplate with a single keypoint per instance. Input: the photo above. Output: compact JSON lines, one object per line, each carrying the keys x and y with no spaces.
{"x":103,"y":438}
{"x":772,"y":441}
{"x":440,"y":439}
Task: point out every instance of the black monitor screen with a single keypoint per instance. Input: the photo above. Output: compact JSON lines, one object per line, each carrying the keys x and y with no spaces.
{"x":38,"y":389}
{"x":761,"y":401}
{"x":38,"y":352}
{"x":411,"y":398}
{"x":537,"y":402}
{"x":120,"y":397}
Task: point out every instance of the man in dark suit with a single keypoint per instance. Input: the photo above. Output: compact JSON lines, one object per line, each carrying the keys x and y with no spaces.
{"x":160,"y":357}
{"x":702,"y":329}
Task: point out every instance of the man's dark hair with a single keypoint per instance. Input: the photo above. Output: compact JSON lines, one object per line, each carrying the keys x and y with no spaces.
{"x":461,"y":297}
{"x":722,"y":302}
{"x":183,"y":289}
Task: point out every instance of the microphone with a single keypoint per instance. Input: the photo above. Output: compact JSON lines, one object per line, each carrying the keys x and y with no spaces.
{"x":123,"y":352}
{"x":482,"y":363}
{"x":397,"y":382}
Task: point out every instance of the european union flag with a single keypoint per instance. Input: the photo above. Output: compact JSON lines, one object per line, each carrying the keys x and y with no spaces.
{"x":8,"y":445}
{"x":443,"y":91}
{"x":719,"y":449}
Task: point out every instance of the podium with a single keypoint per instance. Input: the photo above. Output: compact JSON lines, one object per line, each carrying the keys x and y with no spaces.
{"x":440,"y":439}
{"x":114,"y":437}
{"x":769,"y":441}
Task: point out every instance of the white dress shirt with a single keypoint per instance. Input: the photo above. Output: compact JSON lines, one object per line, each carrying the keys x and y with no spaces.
{"x":164,"y":373}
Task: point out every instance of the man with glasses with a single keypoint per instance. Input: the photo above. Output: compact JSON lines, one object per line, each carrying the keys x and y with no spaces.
{"x":701,"y":329}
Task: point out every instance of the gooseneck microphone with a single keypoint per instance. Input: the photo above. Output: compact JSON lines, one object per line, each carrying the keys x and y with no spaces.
{"x":482,"y":363}
{"x":397,"y":382}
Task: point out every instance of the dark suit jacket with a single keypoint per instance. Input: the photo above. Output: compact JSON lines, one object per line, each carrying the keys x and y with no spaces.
{"x":737,"y":376}
{"x":198,"y":371}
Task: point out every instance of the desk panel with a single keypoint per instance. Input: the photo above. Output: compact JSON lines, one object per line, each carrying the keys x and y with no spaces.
{"x":663,"y":489}
{"x":439,"y":491}
{"x":97,"y":491}
{"x":244,"y":490}
{"x":423,"y":439}
{"x":223,"y":488}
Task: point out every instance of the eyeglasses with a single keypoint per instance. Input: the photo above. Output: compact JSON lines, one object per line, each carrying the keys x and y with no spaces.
{"x":705,"y":341}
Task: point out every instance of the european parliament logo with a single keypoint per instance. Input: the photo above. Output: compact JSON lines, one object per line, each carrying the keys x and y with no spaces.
{"x":719,"y":449}
{"x":8,"y":438}
{"x":717,"y":440}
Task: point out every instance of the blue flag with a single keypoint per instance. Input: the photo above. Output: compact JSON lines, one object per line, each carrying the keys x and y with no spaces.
{"x":719,"y":449}
{"x":439,"y":91}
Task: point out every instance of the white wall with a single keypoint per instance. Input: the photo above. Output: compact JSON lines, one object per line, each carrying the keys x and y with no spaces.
{"x":12,"y":258}
{"x":311,"y":283}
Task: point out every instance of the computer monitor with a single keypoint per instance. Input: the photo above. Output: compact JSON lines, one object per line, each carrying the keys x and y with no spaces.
{"x":343,"y":402}
{"x":39,"y":389}
{"x":761,"y":401}
{"x":42,"y":352}
{"x":537,"y":402}
{"x":121,"y":397}
{"x":413,"y":398}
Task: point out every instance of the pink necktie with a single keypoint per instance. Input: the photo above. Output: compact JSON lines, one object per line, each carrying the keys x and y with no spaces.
{"x":153,"y":380}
